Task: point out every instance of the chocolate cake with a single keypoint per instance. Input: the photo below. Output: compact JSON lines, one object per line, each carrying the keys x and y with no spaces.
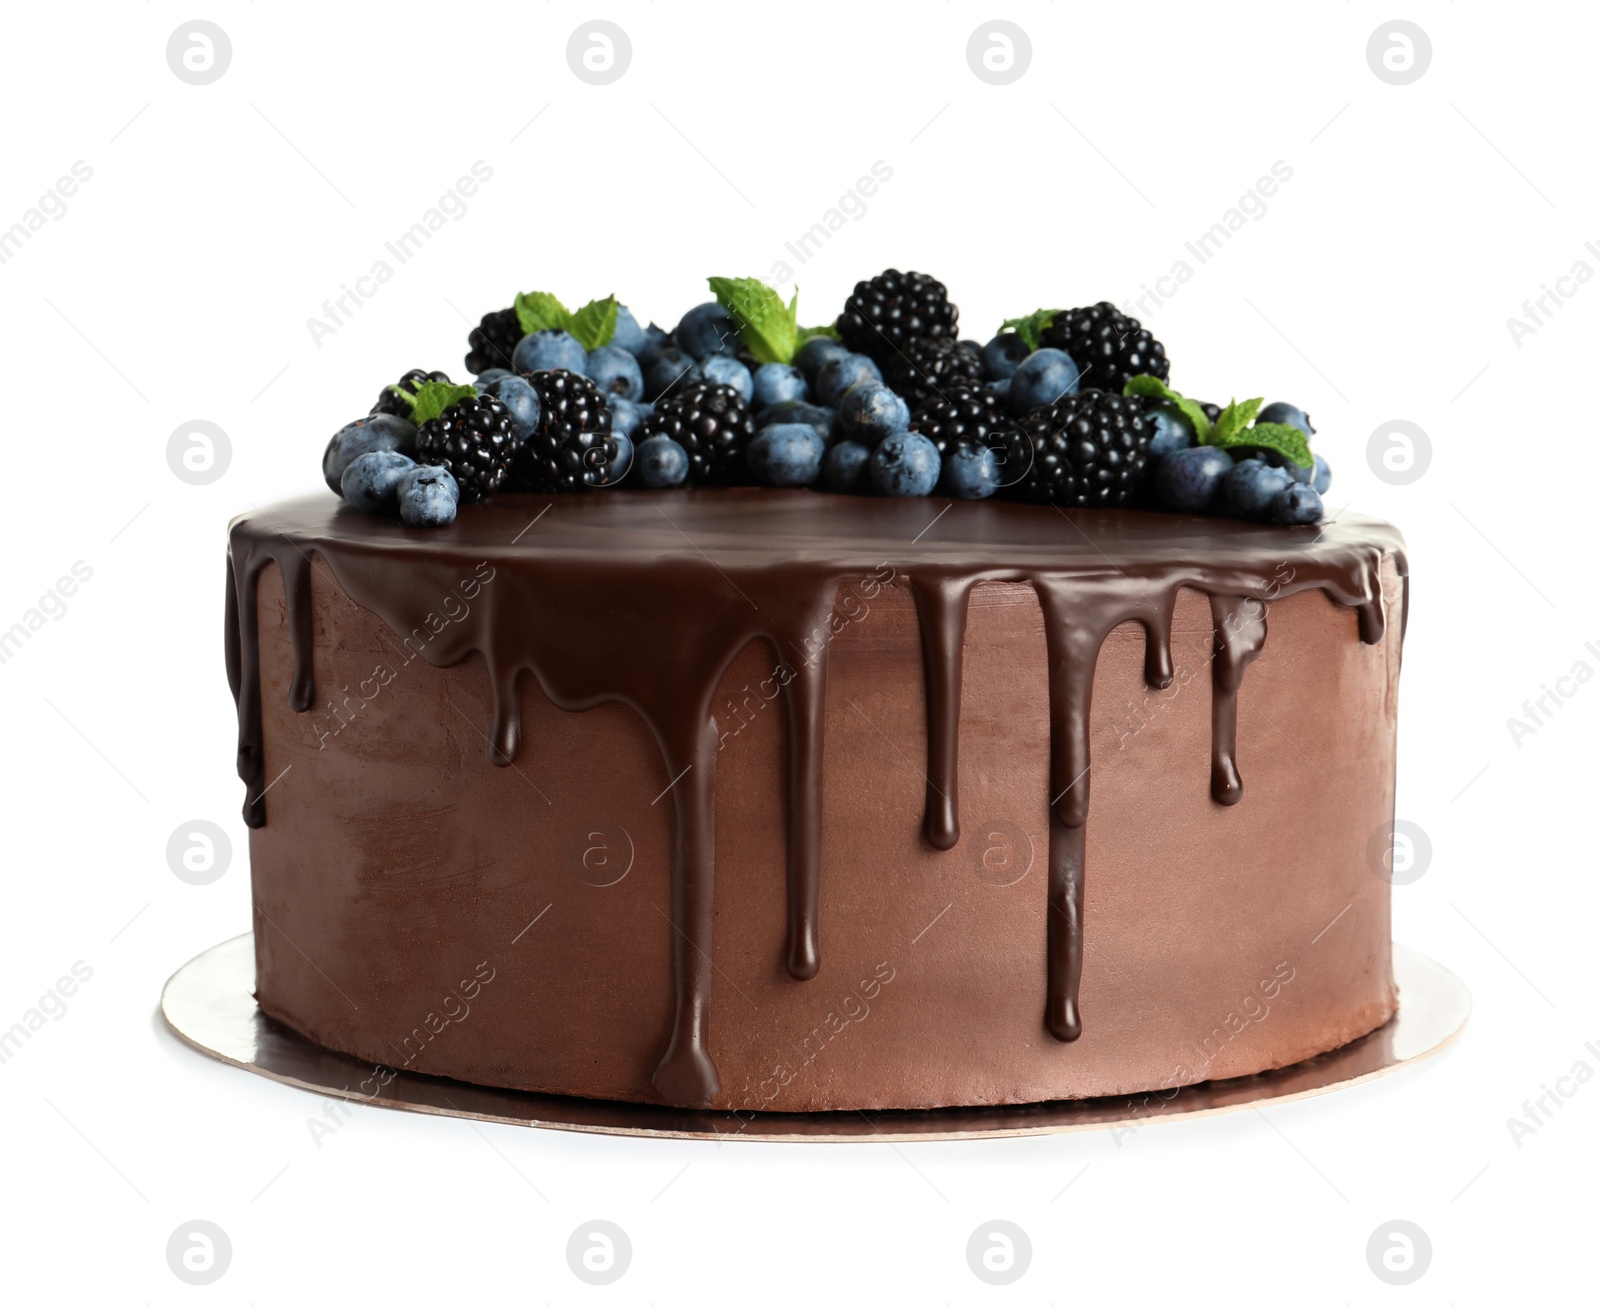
{"x":774,"y":799}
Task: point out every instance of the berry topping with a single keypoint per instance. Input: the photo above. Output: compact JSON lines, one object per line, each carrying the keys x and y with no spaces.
{"x":713,"y":424}
{"x":1109,"y":347}
{"x":886,"y":313}
{"x":965,"y":412}
{"x":391,"y":403}
{"x":473,"y":439}
{"x":1086,"y":450}
{"x":574,"y":446}
{"x":930,"y":366}
{"x":905,"y":465}
{"x":491,"y":342}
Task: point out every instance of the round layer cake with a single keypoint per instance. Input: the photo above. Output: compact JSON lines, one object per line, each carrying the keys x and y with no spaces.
{"x":784,"y":801}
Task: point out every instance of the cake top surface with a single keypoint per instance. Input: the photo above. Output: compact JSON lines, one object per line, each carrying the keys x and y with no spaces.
{"x":749,"y":529}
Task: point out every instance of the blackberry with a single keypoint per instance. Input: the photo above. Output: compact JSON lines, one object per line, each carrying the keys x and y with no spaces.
{"x":931,"y":366}
{"x":1087,"y":450}
{"x":887,"y":312}
{"x":965,"y":412}
{"x":389,"y":402}
{"x":474,"y":440}
{"x":714,"y":425}
{"x":1109,"y":347}
{"x":573,"y":446}
{"x":490,"y":343}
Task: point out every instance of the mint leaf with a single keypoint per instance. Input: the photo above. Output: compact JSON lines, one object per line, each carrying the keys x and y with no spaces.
{"x":1235,"y":418}
{"x":538,"y":310}
{"x":1155,"y":388}
{"x":766,"y":325}
{"x":595,"y":323}
{"x":1031,"y":327}
{"x":433,"y":397}
{"x":1279,"y":437}
{"x":828,"y":330}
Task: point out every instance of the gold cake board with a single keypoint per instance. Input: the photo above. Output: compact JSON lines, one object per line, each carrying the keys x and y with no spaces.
{"x":209,"y":1003}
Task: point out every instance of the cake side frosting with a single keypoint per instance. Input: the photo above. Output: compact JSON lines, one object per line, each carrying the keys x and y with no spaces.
{"x":647,"y":599}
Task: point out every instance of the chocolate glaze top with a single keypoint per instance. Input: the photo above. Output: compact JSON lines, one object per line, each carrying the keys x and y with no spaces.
{"x":646,"y":598}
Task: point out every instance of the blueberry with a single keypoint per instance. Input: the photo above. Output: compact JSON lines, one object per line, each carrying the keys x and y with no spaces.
{"x":669,"y":369}
{"x":629,"y":335}
{"x":520,"y":398}
{"x":1001,"y":387}
{"x":1002,"y":354}
{"x":615,"y":371}
{"x":549,"y":349}
{"x":371,"y":481}
{"x":627,"y":416}
{"x":1172,"y":431}
{"x":655,"y":340}
{"x":870,"y":411}
{"x":814,"y":353}
{"x":1042,"y":378}
{"x":363,"y":436}
{"x":905,"y":465}
{"x":1318,"y":476}
{"x":662,"y":463}
{"x":839,"y":373}
{"x":1249,"y":488}
{"x":777,"y":383}
{"x":825,"y":420}
{"x":1189,"y":480}
{"x":844,"y":468}
{"x":489,"y":376}
{"x":1297,"y":505}
{"x":1289,"y":415}
{"x":786,"y":454}
{"x":729,"y":372}
{"x":971,"y":471}
{"x":707,"y":330}
{"x":428,"y":496}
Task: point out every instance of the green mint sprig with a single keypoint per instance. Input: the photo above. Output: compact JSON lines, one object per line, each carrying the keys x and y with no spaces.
{"x":1235,"y":427}
{"x":432,"y":398}
{"x":1030,"y":328}
{"x":767,"y":326}
{"x":1154,"y":388}
{"x":593,"y":325}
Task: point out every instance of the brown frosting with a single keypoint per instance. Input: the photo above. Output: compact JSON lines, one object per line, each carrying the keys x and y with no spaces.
{"x":648,"y":600}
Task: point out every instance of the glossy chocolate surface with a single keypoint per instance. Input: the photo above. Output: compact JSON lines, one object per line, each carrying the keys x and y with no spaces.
{"x":646,"y":599}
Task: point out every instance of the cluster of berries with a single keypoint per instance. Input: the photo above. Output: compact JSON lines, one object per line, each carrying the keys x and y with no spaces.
{"x":1068,"y":407}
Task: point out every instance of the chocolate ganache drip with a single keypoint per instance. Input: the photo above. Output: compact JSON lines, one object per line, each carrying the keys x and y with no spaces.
{"x":582,"y":584}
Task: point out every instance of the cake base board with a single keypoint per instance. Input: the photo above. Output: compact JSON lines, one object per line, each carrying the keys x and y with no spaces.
{"x":209,"y":1003}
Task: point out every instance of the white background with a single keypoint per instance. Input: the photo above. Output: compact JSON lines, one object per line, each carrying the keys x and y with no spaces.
{"x":1377,"y":286}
